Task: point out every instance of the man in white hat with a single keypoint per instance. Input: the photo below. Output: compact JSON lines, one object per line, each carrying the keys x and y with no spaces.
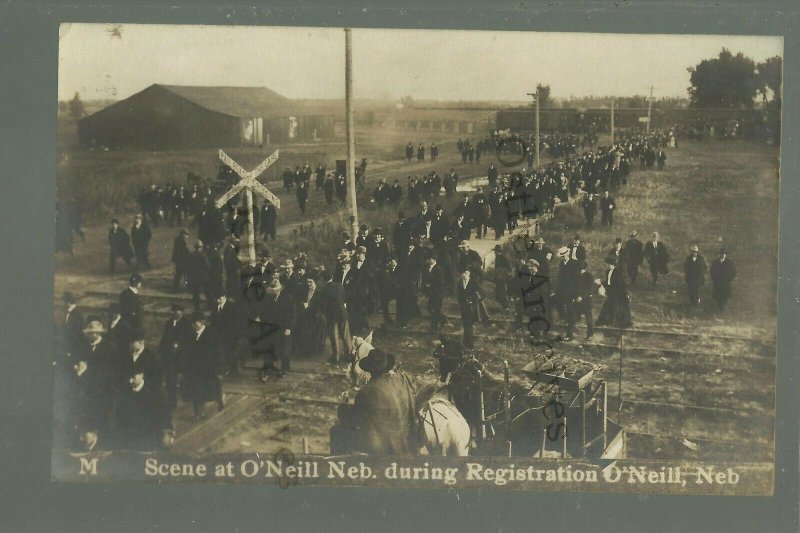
{"x":694,"y":270}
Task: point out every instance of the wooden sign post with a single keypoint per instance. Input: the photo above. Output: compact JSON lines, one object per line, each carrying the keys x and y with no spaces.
{"x":249,"y":184}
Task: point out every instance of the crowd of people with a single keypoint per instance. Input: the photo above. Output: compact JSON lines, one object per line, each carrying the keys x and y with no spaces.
{"x":124,"y":388}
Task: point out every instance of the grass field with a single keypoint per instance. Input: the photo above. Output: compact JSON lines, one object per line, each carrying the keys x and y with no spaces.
{"x":697,"y":374}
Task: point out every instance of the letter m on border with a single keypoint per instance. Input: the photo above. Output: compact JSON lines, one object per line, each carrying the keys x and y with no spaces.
{"x":88,"y":466}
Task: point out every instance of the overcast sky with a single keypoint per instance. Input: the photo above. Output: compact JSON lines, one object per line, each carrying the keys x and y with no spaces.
{"x":116,"y":61}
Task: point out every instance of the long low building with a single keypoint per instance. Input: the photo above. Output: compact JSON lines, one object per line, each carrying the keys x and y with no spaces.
{"x":163,"y":117}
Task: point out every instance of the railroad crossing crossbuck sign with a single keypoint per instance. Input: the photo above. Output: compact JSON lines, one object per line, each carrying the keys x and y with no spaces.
{"x":249,"y":184}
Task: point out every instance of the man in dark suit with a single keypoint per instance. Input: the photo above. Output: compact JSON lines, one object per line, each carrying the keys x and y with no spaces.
{"x":388,"y":286}
{"x":433,"y":286}
{"x":273,"y":336}
{"x":634,"y":256}
{"x":589,"y":209}
{"x":566,"y":284}
{"x":130,"y":304}
{"x":657,"y":257}
{"x":71,"y":329}
{"x":618,"y":253}
{"x":723,"y":272}
{"x":119,"y":246}
{"x":694,"y":270}
{"x":582,"y":302}
{"x":607,"y":208}
{"x":198,"y":272}
{"x":492,"y":175}
{"x":232,"y":267}
{"x":577,"y":252}
{"x":176,"y":332}
{"x":180,"y":256}
{"x":468,"y":296}
{"x":468,"y":258}
{"x":119,"y":331}
{"x":439,"y":225}
{"x":226,"y":322}
{"x":335,"y":313}
{"x":202,"y":367}
{"x":356,"y":292}
{"x":661,"y":157}
{"x":141,"y":413}
{"x":532,"y":298}
{"x":542,"y":255}
{"x":140,"y":237}
{"x":95,"y":370}
{"x":268,"y":220}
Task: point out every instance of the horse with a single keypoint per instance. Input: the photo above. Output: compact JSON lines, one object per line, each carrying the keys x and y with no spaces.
{"x":442,"y":429}
{"x":361,"y":347}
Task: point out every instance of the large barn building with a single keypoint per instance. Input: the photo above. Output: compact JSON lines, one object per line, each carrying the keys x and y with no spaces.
{"x":165,"y":117}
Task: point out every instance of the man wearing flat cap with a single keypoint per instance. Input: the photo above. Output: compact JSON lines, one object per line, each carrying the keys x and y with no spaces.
{"x":271,"y":332}
{"x":694,"y":270}
{"x":468,"y":258}
{"x":532,"y":298}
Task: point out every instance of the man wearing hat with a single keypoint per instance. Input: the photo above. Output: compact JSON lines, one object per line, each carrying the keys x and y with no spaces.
{"x":227,"y":322}
{"x":268,"y":220}
{"x":589,"y":209}
{"x":130,"y":304}
{"x":607,"y":207}
{"x":502,"y":276}
{"x":433,"y":286}
{"x":577,"y":252}
{"x":470,"y":259}
{"x":634,"y":256}
{"x":348,"y":243}
{"x":198,"y":272}
{"x":542,"y":254}
{"x":657,"y":257}
{"x":95,"y":372}
{"x":71,"y":328}
{"x":180,"y":257}
{"x":119,"y":246}
{"x":468,"y":296}
{"x":723,"y":272}
{"x":383,"y":412}
{"x":140,"y":238}
{"x":618,"y":252}
{"x":565,"y":288}
{"x":582,"y":302}
{"x":694,"y":270}
{"x":119,"y":330}
{"x":202,"y":367}
{"x":357,"y":284}
{"x":532,"y":296}
{"x":231,"y":266}
{"x":176,"y":332}
{"x":271,"y":333}
{"x":141,"y":414}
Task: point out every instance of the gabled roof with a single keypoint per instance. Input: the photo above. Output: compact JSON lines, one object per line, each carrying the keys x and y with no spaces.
{"x":246,"y":102}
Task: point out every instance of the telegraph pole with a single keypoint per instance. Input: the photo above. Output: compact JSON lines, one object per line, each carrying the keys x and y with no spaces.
{"x":538,"y":140}
{"x":649,"y":108}
{"x":612,"y":120}
{"x":535,"y":97}
{"x":351,"y":139}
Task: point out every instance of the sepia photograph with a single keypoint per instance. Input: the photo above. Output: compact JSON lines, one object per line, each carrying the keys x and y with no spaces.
{"x":307,"y":256}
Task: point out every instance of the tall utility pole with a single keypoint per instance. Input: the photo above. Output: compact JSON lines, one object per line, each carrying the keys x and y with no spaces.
{"x":649,"y":108}
{"x":612,"y":120}
{"x":535,"y":97}
{"x":351,"y":139}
